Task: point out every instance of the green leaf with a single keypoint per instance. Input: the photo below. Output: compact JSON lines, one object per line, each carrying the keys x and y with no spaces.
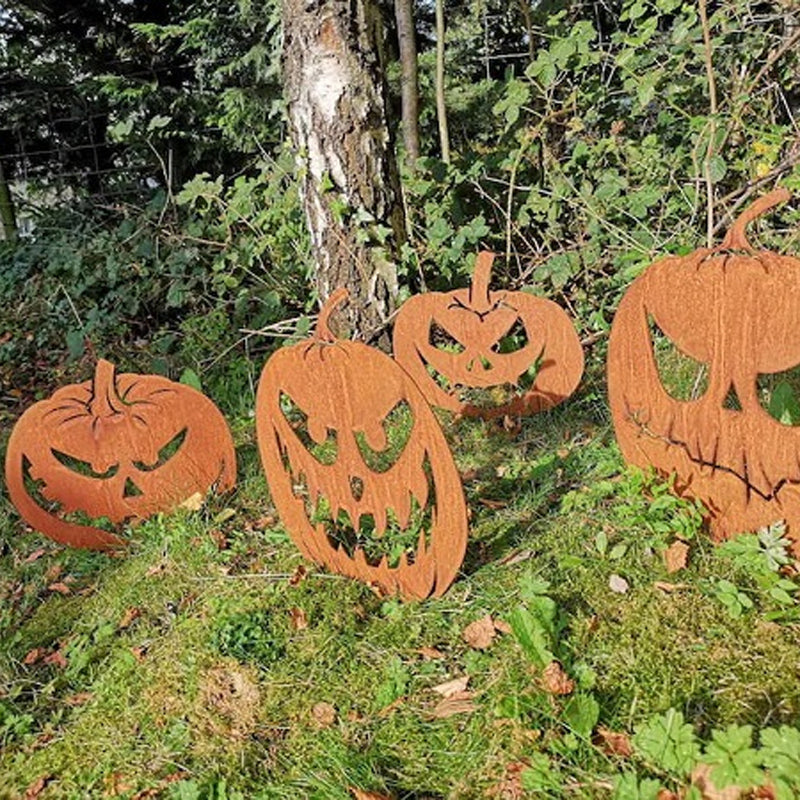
{"x":669,"y":742}
{"x":629,"y":787}
{"x":75,"y":343}
{"x":734,"y":761}
{"x":158,"y":121}
{"x":581,"y":714}
{"x":191,"y":378}
{"x":540,"y":775}
{"x":533,"y":635}
{"x":783,"y":405}
{"x":717,"y":168}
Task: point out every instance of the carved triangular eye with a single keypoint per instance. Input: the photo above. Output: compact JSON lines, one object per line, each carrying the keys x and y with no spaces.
{"x":83,"y":467}
{"x":682,"y":377}
{"x":167,"y":452}
{"x":779,"y":395}
{"x":325,"y":452}
{"x":441,"y":339}
{"x":514,"y":340}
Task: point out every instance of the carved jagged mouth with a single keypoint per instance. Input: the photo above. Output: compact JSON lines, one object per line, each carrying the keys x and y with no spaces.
{"x":711,"y":464}
{"x":39,"y":492}
{"x":389,"y":536}
{"x":486,"y":397}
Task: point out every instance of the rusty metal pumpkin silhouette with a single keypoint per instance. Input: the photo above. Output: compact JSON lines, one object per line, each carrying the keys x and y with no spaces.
{"x":119,"y":447}
{"x":356,"y":461}
{"x":735,"y":310}
{"x":476,"y":338}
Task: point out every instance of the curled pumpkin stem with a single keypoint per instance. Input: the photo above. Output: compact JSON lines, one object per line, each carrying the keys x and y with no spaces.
{"x":323,"y":332}
{"x":106,"y":401}
{"x":736,"y":238}
{"x":479,"y":289}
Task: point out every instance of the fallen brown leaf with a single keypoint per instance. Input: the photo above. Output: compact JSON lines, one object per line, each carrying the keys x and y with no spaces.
{"x":450,"y":688}
{"x":495,"y":505}
{"x":361,"y":794}
{"x":501,"y":626}
{"x":701,"y":778}
{"x":140,"y":652}
{"x":392,"y":707}
{"x":56,"y":658}
{"x":618,"y":584}
{"x":130,"y":614}
{"x":36,"y":788}
{"x":510,"y":787}
{"x":468,"y":475}
{"x":33,"y":656}
{"x":666,"y":794}
{"x":299,"y":575}
{"x":220,"y":539}
{"x":457,"y":703}
{"x":670,"y":587}
{"x":556,"y":681}
{"x":193,"y":502}
{"x":429,"y":653}
{"x":78,"y":699}
{"x":298,"y":618}
{"x":53,"y":572}
{"x":516,"y":557}
{"x":480,"y":633}
{"x":676,"y":556}
{"x":613,"y":743}
{"x":324,"y":715}
{"x":512,"y":424}
{"x":59,"y":587}
{"x":34,"y":556}
{"x":115,"y":785}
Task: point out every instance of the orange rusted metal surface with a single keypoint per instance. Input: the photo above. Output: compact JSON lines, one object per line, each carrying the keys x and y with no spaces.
{"x":357,"y":463}
{"x":120,"y":447}
{"x":735,"y":310}
{"x":448,"y":341}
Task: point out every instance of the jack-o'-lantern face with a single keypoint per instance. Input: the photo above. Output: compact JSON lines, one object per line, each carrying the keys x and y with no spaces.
{"x":117,"y":447}
{"x":476,"y":339}
{"x":357,"y":464}
{"x":736,"y":312}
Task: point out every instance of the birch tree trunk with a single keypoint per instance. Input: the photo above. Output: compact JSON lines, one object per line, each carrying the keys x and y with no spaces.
{"x":7,"y":215}
{"x":333,"y":81}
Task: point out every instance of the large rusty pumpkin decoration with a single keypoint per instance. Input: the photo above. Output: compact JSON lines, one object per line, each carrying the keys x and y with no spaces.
{"x":479,"y":339}
{"x":120,"y":447}
{"x":324,"y":412}
{"x":736,"y":310}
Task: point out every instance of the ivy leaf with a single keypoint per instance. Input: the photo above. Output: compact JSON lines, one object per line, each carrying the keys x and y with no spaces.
{"x":669,"y":742}
{"x":734,"y":761}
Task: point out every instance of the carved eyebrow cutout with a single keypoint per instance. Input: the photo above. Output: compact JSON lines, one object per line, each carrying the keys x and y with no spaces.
{"x":325,"y":452}
{"x":682,"y":377}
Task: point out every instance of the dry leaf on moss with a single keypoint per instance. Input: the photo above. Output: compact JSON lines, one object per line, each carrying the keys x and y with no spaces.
{"x":676,"y":556}
{"x":36,"y":788}
{"x":618,"y":584}
{"x":361,"y":794}
{"x":130,"y":614}
{"x":480,"y":633}
{"x":458,"y":703}
{"x":449,"y":688}
{"x":59,"y":587}
{"x":556,"y":681}
{"x":323,"y":714}
{"x":298,"y":619}
{"x":614,"y":743}
{"x":78,"y":699}
{"x":701,"y":778}
{"x":430,"y":653}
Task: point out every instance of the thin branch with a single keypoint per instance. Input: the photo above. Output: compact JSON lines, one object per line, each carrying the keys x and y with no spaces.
{"x":712,"y":124}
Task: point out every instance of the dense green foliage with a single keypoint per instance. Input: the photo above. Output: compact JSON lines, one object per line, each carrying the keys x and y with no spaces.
{"x":587,"y":139}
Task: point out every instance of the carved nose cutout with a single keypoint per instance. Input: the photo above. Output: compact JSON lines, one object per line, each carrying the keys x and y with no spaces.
{"x":476,"y":363}
{"x":732,"y":401}
{"x":131,"y":489}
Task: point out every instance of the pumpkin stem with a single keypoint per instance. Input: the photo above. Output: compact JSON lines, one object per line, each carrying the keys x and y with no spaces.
{"x":105,"y":401}
{"x":323,"y":332}
{"x":479,"y":289}
{"x":736,"y":238}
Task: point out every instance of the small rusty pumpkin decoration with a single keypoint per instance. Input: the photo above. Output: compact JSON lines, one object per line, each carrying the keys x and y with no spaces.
{"x":476,"y":338}
{"x":118,"y":446}
{"x":324,"y":419}
{"x":735,"y":310}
